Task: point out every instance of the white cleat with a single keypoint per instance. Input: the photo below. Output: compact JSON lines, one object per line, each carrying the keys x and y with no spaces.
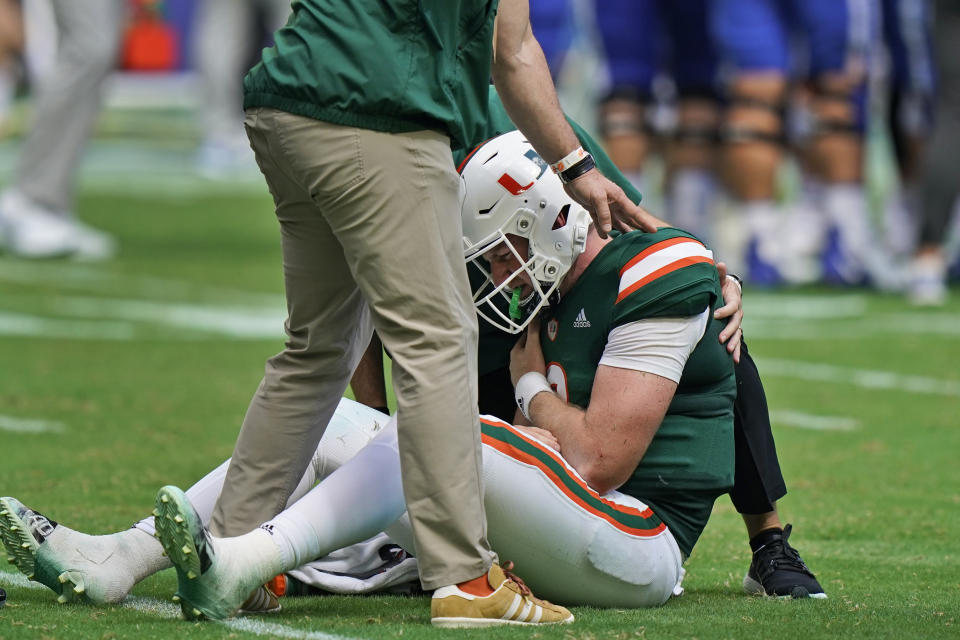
{"x":211,"y":582}
{"x":29,"y":230}
{"x":76,"y":566}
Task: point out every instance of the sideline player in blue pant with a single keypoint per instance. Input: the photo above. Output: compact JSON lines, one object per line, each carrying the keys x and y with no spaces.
{"x":756,"y":40}
{"x":651,"y":45}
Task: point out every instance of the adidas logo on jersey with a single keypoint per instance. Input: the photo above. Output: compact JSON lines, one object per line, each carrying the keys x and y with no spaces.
{"x":581,"y":321}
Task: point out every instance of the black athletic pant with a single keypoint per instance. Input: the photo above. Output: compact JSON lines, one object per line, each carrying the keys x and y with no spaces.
{"x":940,"y":177}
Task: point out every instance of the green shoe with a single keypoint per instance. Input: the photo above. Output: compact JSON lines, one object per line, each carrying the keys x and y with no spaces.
{"x":208,"y":585}
{"x":24,"y":532}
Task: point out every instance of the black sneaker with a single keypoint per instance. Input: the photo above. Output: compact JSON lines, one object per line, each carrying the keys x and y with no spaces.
{"x":778,"y":570}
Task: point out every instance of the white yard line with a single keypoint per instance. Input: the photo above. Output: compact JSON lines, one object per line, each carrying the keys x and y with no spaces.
{"x":235,"y":321}
{"x":255,"y":625}
{"x":161,"y":185}
{"x":168,"y":173}
{"x":21,"y":324}
{"x":941,"y":325}
{"x":28,"y":425}
{"x":18,"y":580}
{"x":153,"y":606}
{"x":100,"y":279}
{"x":170,"y":611}
{"x":804,"y":420}
{"x":261,"y":627}
{"x":126,"y":320}
{"x":769,"y":305}
{"x":791,"y":330}
{"x":863,"y":378}
{"x":152,"y":302}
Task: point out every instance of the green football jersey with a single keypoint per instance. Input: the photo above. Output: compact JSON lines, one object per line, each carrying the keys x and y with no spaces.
{"x":646,"y":275}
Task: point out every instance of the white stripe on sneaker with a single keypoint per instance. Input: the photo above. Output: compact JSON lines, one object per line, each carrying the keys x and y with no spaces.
{"x":524,"y":616}
{"x":510,"y":614}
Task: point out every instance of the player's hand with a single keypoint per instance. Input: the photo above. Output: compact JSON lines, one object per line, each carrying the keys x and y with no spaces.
{"x":542,"y":435}
{"x":526,"y":354}
{"x":609,"y":206}
{"x":732,"y":308}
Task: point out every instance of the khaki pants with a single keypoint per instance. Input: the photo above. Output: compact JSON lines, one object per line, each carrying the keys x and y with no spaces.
{"x":370,"y":232}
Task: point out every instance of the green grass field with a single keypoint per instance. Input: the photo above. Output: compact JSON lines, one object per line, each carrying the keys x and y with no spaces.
{"x":118,"y":378}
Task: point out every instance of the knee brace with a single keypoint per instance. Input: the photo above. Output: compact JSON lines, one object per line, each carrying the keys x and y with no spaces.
{"x":698,"y":133}
{"x":628,"y":120}
{"x":740,"y":133}
{"x":854,"y":100}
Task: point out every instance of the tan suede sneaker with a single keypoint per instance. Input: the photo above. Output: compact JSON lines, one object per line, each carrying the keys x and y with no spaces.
{"x":510,"y":603}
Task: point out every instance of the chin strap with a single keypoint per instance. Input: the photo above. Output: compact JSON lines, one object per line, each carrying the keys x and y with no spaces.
{"x":552,"y":301}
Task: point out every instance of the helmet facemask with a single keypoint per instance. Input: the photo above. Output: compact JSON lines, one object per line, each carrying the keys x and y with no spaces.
{"x":510,"y":192}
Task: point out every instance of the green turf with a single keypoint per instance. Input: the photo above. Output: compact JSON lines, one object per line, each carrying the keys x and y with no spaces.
{"x":144,"y":398}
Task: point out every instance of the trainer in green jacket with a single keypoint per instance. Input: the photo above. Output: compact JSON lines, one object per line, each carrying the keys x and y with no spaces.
{"x":352,"y":115}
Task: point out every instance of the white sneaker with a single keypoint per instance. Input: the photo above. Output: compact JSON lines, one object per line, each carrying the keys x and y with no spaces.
{"x":29,"y":230}
{"x":927,"y":285}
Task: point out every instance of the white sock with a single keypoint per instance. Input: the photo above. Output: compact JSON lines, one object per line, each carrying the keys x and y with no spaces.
{"x":763,"y":221}
{"x":254,"y":556}
{"x":360,"y":499}
{"x":109,"y":565}
{"x":811,"y":191}
{"x":690,"y":196}
{"x":846,"y":208}
{"x":143,"y":551}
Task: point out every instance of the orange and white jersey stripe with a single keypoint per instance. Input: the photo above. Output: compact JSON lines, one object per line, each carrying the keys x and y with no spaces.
{"x":628,"y":518}
{"x":658,"y":260}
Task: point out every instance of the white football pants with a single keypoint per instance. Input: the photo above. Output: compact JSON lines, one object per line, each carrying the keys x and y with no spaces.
{"x":570,"y":544}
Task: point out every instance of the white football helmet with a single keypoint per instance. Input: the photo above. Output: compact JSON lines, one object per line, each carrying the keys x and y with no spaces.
{"x":510,"y":190}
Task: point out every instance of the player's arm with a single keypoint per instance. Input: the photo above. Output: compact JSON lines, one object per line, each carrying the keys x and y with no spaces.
{"x":632,"y":389}
{"x":526,"y":89}
{"x":607,"y":441}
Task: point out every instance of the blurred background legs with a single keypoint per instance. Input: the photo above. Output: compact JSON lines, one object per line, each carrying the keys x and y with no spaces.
{"x":37,"y":218}
{"x":227,"y":35}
